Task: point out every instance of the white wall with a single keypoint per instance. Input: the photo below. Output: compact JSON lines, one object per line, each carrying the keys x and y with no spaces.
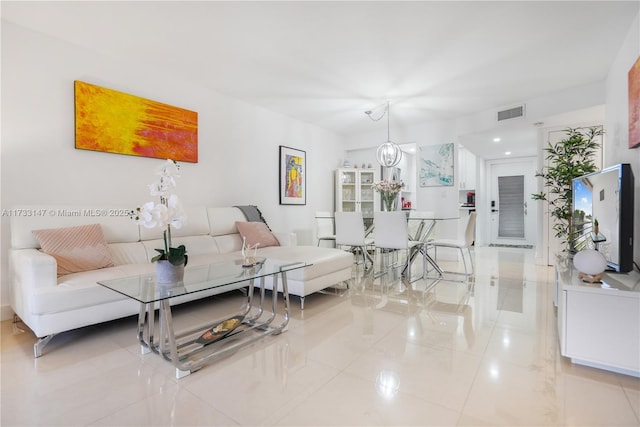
{"x":441,"y":200}
{"x":407,"y":166}
{"x":617,"y":119}
{"x":238,"y":143}
{"x":548,"y":108}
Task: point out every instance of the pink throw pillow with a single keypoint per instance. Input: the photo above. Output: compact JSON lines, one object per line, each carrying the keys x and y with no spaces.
{"x":257,"y":232}
{"x":76,"y":249}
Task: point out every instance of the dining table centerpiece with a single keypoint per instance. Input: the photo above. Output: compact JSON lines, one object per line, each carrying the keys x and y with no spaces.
{"x":389,"y":191}
{"x":165,"y":213}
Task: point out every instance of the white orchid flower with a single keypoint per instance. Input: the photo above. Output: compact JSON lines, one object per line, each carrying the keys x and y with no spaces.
{"x":146,"y":215}
{"x":162,"y":187}
{"x":166,"y":213}
{"x":156,"y":190}
{"x":161,"y":215}
{"x":176,"y":213}
{"x":170,"y":168}
{"x":168,"y":173}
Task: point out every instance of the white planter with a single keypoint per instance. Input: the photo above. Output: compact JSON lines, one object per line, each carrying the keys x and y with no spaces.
{"x":169,"y":273}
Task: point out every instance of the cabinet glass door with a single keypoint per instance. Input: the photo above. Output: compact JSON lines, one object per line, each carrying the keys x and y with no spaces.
{"x":348,"y":180}
{"x":366,"y":195}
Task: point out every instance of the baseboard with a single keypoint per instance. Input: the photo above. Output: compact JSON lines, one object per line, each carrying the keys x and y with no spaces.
{"x":6,"y":313}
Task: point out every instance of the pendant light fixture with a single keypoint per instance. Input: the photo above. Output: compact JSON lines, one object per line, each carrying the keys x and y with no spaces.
{"x":389,"y":153}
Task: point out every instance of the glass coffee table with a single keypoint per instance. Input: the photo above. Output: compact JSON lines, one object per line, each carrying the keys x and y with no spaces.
{"x":191,"y":349}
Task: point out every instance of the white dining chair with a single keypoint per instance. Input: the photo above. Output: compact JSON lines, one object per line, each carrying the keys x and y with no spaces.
{"x":325,"y":229}
{"x":350,"y":232}
{"x":390,"y":233}
{"x":461,"y":245}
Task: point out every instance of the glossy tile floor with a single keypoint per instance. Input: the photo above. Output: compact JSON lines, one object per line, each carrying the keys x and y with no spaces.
{"x":445,"y":354}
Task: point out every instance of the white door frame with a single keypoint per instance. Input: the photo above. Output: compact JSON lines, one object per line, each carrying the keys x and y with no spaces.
{"x":531,"y":228}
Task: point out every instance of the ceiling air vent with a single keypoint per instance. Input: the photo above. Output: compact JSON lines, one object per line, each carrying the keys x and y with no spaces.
{"x":511,"y":113}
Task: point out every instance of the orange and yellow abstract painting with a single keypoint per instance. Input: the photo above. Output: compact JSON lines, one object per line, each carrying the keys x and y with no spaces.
{"x":116,"y":122}
{"x":634,"y":105}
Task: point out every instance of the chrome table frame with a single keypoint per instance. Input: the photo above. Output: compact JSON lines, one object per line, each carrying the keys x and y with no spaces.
{"x":422,"y":235}
{"x":180,"y":348}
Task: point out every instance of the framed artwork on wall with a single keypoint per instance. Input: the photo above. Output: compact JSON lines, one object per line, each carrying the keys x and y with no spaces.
{"x":634,"y":105}
{"x":115,"y":122}
{"x":293,"y":176}
{"x":436,"y":165}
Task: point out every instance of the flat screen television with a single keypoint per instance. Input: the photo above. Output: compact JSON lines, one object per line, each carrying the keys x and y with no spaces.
{"x":605,"y":196}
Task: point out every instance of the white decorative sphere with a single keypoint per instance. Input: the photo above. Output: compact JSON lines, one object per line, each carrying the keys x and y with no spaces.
{"x":590,"y":262}
{"x":389,"y":154}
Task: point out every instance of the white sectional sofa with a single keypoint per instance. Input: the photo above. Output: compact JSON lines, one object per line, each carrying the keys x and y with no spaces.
{"x":49,"y":304}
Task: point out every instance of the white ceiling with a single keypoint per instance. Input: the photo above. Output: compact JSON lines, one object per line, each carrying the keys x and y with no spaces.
{"x":327,"y":62}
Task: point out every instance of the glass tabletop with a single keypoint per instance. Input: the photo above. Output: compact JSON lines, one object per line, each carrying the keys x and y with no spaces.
{"x":144,"y":288}
{"x":432,"y":218}
{"x":438,"y":217}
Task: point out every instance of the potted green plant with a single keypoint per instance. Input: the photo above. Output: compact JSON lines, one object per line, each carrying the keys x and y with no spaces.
{"x":570,"y":158}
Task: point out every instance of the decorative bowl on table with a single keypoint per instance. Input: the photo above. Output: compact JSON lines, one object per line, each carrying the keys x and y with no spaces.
{"x":220,"y":330}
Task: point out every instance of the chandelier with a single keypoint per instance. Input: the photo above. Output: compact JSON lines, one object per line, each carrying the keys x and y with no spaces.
{"x":389,"y":153}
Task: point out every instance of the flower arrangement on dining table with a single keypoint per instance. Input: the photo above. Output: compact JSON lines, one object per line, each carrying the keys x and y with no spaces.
{"x":389,"y":191}
{"x":165,"y":213}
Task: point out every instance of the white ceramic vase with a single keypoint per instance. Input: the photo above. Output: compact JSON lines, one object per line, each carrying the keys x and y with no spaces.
{"x":169,"y":273}
{"x":590,"y":261}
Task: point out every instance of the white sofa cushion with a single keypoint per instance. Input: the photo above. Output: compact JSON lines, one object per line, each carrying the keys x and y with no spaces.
{"x":128,"y":253}
{"x":222,"y":221}
{"x":228,"y":243}
{"x":324,"y":260}
{"x":206,"y":259}
{"x":196,"y":224}
{"x":196,"y":245}
{"x":79,"y":290}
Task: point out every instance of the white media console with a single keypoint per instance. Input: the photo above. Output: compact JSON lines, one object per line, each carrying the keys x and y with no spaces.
{"x":599,"y":323}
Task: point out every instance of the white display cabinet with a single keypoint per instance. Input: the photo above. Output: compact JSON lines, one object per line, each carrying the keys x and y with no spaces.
{"x":354,"y":191}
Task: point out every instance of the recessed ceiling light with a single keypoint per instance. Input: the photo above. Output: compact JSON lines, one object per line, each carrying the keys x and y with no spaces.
{"x":496,"y":139}
{"x":507,"y":153}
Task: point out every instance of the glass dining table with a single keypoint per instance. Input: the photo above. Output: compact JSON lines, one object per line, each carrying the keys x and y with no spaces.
{"x":421,"y":229}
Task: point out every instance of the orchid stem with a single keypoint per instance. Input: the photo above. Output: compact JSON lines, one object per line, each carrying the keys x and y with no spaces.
{"x":167,"y":239}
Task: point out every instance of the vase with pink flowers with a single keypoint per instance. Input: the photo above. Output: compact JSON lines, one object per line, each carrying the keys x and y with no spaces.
{"x":389,"y":191}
